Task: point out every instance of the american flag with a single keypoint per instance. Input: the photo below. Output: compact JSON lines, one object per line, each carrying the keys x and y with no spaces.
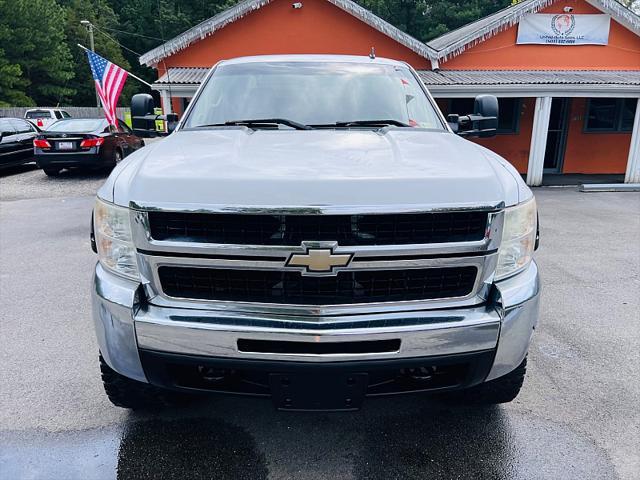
{"x":109,"y":79}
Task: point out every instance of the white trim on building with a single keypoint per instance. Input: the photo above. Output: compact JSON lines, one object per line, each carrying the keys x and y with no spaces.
{"x":632,"y":174}
{"x":537,"y":150}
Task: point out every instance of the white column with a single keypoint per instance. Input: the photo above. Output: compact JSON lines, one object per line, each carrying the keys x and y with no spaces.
{"x":538,"y":147}
{"x":166,"y":101}
{"x":633,"y":163}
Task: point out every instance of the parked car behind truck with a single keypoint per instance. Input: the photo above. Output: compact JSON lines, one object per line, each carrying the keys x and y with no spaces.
{"x":16,"y":141}
{"x":86,"y":143}
{"x":315,"y":232}
{"x":43,"y":117}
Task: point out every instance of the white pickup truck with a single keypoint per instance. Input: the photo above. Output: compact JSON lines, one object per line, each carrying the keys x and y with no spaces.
{"x":43,"y":117}
{"x":315,"y":231}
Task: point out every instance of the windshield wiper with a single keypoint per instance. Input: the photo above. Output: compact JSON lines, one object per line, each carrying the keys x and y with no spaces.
{"x":371,"y":123}
{"x":261,"y":121}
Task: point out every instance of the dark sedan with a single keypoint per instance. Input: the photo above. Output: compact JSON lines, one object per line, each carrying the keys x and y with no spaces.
{"x":16,"y":141}
{"x":83,"y":143}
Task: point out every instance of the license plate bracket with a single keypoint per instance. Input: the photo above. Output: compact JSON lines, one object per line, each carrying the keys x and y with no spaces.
{"x":65,"y":145}
{"x":326,"y":391}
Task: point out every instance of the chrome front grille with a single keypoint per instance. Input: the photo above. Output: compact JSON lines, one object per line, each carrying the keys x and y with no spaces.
{"x":273,"y":286}
{"x":184,"y":260}
{"x":346,"y":230}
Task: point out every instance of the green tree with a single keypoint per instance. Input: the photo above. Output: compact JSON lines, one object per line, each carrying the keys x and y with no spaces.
{"x":11,"y":91}
{"x":407,"y":15}
{"x":145,"y":23}
{"x":104,"y":19}
{"x":37,"y":45}
{"x":12,"y":84}
{"x":41,"y":63}
{"x":427,"y":19}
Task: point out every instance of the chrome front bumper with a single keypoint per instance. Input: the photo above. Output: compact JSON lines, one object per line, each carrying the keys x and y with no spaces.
{"x":125,"y":323}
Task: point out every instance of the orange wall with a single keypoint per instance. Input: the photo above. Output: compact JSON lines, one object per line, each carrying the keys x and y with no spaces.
{"x":584,"y":152}
{"x":593,"y":152}
{"x":515,"y":147}
{"x":501,"y":51}
{"x":176,"y":106}
{"x":318,"y":27}
{"x":512,"y":146}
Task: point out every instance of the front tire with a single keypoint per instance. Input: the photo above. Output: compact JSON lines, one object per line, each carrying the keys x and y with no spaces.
{"x":51,"y":172}
{"x":117,"y":157}
{"x":501,"y":390}
{"x":127,"y":393}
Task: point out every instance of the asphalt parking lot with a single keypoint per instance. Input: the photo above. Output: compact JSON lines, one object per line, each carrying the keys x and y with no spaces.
{"x":576,"y":418}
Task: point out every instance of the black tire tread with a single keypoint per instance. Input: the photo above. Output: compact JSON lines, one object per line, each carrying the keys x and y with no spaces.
{"x":128,"y":393}
{"x":501,"y":390}
{"x":51,"y":172}
{"x":117,"y":150}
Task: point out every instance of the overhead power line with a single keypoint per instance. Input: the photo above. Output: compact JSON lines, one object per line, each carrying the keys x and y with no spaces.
{"x":131,"y":33}
{"x":99,"y":30}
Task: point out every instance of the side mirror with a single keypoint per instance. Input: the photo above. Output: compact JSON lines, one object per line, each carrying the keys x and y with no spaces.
{"x":1,"y":135}
{"x":483,"y":122}
{"x":142,"y":104}
{"x":143,"y":117}
{"x":486,"y":107}
{"x":143,"y":120}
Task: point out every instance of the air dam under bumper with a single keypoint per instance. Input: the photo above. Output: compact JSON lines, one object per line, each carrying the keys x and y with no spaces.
{"x":125,"y":325}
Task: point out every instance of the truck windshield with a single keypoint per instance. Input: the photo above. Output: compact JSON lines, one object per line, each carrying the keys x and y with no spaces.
{"x":318,"y":94}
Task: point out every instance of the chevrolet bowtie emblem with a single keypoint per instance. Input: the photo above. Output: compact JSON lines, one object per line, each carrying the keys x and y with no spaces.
{"x":319,"y":260}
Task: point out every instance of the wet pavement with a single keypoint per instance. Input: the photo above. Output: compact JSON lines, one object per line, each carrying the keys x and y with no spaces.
{"x":247,"y":439}
{"x":576,"y":418}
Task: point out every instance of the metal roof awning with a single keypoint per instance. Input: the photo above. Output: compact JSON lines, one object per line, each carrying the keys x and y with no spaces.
{"x":532,"y":83}
{"x":184,"y":81}
{"x":181,"y":81}
{"x":183,"y":76}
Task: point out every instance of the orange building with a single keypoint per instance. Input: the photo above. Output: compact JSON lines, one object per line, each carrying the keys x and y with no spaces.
{"x":566,"y":72}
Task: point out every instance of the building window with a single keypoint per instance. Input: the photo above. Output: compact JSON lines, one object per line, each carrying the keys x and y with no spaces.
{"x":508,"y":115}
{"x":610,"y":114}
{"x":629,"y":106}
{"x":508,"y":108}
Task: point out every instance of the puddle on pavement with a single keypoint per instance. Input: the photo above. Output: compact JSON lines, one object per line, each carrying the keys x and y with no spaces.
{"x":391,"y":438}
{"x":477,"y":443}
{"x":194,"y":448}
{"x":191,"y":449}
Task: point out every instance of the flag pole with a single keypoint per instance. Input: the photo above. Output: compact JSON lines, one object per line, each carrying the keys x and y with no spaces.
{"x":128,"y":72}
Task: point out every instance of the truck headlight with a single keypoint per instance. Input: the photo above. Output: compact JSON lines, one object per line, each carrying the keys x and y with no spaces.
{"x":116,"y":251}
{"x":518,"y":239}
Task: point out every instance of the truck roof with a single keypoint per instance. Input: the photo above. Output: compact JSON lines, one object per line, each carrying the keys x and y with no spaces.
{"x":313,"y":58}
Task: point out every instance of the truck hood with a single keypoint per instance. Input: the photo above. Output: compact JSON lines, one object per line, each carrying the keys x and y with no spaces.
{"x":241,"y":167}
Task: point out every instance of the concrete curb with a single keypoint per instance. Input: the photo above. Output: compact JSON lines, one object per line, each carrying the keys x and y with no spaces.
{"x":609,"y":187}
